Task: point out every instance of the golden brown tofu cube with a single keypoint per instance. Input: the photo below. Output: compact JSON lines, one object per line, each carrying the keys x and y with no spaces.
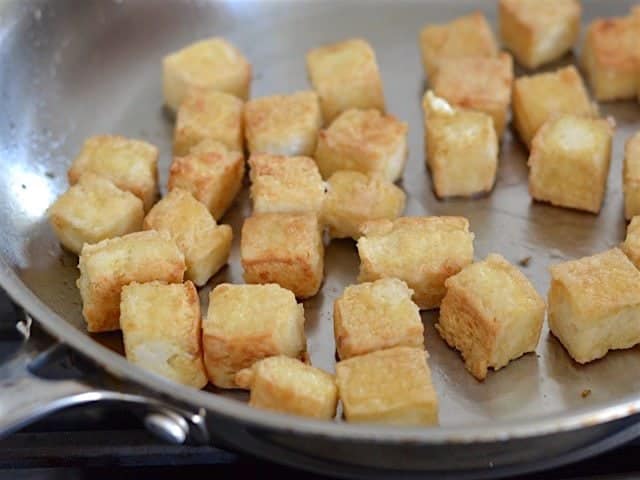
{"x":539,"y":31}
{"x":212,"y":173}
{"x":162,"y":332}
{"x":569,"y":162}
{"x":365,"y":141}
{"x":346,"y":76}
{"x":631,"y":177}
{"x":354,"y":198}
{"x":421,"y":251}
{"x":283,"y":124}
{"x":390,"y":386}
{"x":246,"y":323}
{"x":287,"y":385}
{"x":285,"y":184}
{"x":92,"y":210}
{"x":132,"y":165}
{"x":213,"y":64}
{"x":631,"y":245}
{"x":205,"y":244}
{"x":491,"y":314}
{"x":283,"y":248}
{"x":594,"y":305}
{"x":109,"y":265}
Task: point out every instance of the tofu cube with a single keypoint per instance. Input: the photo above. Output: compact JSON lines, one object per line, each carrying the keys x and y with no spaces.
{"x":212,"y":64}
{"x":461,"y":149}
{"x":246,"y":323}
{"x":208,"y":115}
{"x":366,"y":141}
{"x":594,"y":305}
{"x":107,"y":266}
{"x":346,"y":76}
{"x":283,"y":124}
{"x":283,"y":248}
{"x":491,"y":314}
{"x":132,"y":165}
{"x":161,"y":329}
{"x":376,"y":315}
{"x":467,"y":36}
{"x":631,"y":245}
{"x":631,"y":177}
{"x":421,"y":251}
{"x":212,"y":173}
{"x":205,"y":244}
{"x":390,"y":386}
{"x":92,"y":210}
{"x":537,"y":98}
{"x":285,"y":184}
{"x":569,"y":162}
{"x":354,"y":198}
{"x":539,"y":31}
{"x":287,"y":385}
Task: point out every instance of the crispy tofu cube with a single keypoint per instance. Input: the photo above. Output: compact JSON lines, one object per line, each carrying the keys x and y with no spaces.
{"x":212,"y":173}
{"x":346,"y":76}
{"x":477,"y":83}
{"x":162,"y":332}
{"x":132,"y":165}
{"x":211,"y":64}
{"x":491,"y":314}
{"x":461,"y":148}
{"x":246,"y":323}
{"x":285,"y":184}
{"x":569,"y":162}
{"x":107,"y":266}
{"x":594,"y":305}
{"x":366,"y":141}
{"x":283,"y":248}
{"x":421,"y":251}
{"x":390,"y":386}
{"x":205,"y":244}
{"x":208,"y":115}
{"x":376,"y":315}
{"x":287,"y":385}
{"x":537,"y":98}
{"x":354,"y":198}
{"x":631,"y":245}
{"x":467,"y":36}
{"x":539,"y":31}
{"x":283,"y":124}
{"x":92,"y":210}
{"x":631,"y":177}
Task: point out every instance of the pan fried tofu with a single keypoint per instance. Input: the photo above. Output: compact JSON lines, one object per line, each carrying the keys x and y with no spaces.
{"x":205,"y":244}
{"x":366,"y":141}
{"x":390,"y":386}
{"x":285,"y":184}
{"x":212,"y":173}
{"x":462,"y":148}
{"x":283,"y":124}
{"x":491,"y":313}
{"x":376,"y":315}
{"x":107,"y":266}
{"x":631,"y":245}
{"x":212,"y":64}
{"x":208,"y":115}
{"x":569,"y":162}
{"x":346,"y":76}
{"x":539,"y":31}
{"x":631,"y":177}
{"x":161,"y":330}
{"x":246,"y":323}
{"x":287,"y":385}
{"x":421,"y":251}
{"x":536,"y":98}
{"x":92,"y":210}
{"x":594,"y":305}
{"x":283,"y":248}
{"x":132,"y":165}
{"x":467,"y":36}
{"x":354,"y":198}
